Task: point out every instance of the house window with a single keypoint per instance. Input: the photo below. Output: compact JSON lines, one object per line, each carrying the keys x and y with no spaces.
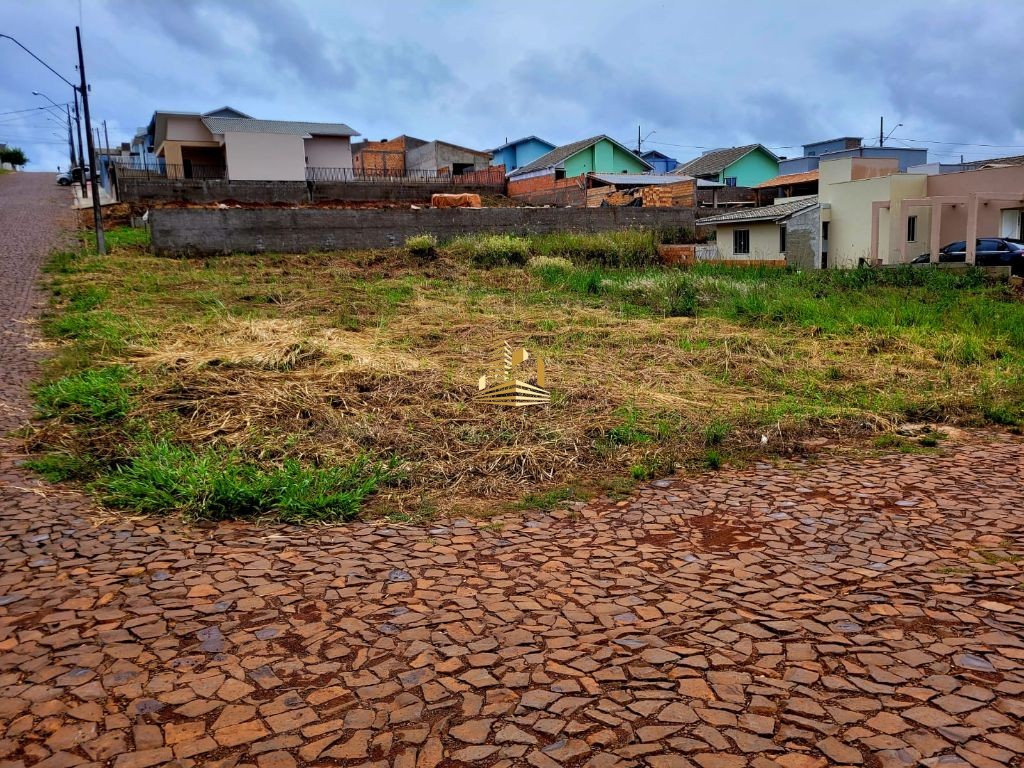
{"x":911,"y":229}
{"x":559,"y":173}
{"x":782,"y":238}
{"x":730,"y":181}
{"x":741,"y":241}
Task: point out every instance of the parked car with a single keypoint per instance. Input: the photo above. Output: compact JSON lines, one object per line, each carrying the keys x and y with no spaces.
{"x":989,"y":252}
{"x":67,"y":178}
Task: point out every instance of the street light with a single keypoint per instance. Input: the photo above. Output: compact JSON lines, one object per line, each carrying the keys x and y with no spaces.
{"x":83,"y":89}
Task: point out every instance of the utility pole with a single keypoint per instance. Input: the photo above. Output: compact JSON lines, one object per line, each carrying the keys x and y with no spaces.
{"x":71,"y":138}
{"x":81,"y":149}
{"x":97,"y":214}
{"x":106,"y":137}
{"x":638,"y":139}
{"x":881,"y":131}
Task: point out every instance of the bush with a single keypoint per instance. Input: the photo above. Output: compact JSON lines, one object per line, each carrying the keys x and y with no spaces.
{"x":94,"y":395}
{"x":424,"y":246}
{"x":492,"y":250}
{"x":219,"y":485}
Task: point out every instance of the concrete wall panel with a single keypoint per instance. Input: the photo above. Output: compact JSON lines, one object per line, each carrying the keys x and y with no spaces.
{"x":182,"y":231}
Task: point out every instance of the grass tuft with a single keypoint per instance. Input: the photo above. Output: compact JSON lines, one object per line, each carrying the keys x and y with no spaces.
{"x":95,"y":395}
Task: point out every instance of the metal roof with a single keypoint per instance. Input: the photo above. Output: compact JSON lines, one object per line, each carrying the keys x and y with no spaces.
{"x":249,"y":125}
{"x":560,"y":154}
{"x":638,"y":179}
{"x":764,"y":213}
{"x":717,"y":160}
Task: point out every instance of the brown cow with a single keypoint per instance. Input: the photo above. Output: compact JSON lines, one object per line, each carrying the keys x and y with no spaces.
{"x":455,"y":201}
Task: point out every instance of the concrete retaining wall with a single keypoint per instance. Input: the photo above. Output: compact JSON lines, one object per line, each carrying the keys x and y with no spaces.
{"x":183,"y":231}
{"x":154,"y":191}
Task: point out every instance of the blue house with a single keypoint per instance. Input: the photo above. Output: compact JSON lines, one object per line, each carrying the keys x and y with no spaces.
{"x":516,"y":154}
{"x":662,"y":163}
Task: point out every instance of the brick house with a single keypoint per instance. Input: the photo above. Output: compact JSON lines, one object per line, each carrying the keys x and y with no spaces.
{"x":385,"y":157}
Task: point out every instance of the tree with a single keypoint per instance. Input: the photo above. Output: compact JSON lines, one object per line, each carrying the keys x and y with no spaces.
{"x":13,"y":155}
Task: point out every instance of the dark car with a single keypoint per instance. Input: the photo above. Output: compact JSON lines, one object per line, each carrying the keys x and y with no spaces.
{"x":989,"y":252}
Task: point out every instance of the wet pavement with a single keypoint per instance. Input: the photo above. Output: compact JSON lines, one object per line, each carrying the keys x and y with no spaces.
{"x":849,"y":612}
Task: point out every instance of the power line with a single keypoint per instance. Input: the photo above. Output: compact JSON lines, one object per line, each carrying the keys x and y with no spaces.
{"x":962,"y":143}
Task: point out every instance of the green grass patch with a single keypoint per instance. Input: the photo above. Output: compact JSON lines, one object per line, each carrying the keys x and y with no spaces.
{"x":60,"y":467}
{"x":547,"y":500}
{"x":95,"y":395}
{"x":163,"y":478}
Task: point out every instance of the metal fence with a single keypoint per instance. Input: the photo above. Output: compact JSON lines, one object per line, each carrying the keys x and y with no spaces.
{"x":134,"y":169}
{"x":486,"y":177}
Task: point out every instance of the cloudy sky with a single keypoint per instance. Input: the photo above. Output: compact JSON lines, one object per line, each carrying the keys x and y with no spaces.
{"x":476,"y":72}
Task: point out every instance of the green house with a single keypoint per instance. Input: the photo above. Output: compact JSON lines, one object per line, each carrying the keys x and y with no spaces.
{"x":598,"y":154}
{"x":745,"y":166}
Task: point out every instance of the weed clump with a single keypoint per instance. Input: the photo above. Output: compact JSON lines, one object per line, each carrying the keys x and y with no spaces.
{"x":422,"y":246}
{"x":490,"y":251}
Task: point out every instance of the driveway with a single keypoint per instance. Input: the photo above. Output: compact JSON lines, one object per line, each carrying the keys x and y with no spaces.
{"x":844,"y":612}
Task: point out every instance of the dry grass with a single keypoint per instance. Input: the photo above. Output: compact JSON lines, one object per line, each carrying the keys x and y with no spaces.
{"x":328,"y":356}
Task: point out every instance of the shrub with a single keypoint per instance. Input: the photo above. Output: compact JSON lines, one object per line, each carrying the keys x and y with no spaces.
{"x":220,"y":485}
{"x":95,"y":395}
{"x":713,"y":459}
{"x":424,"y":246}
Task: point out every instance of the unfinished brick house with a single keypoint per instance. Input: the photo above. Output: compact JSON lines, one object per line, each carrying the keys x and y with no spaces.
{"x":383,"y":158}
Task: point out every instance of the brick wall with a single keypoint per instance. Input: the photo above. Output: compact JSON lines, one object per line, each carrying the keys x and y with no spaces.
{"x":494,"y":174}
{"x":547,"y":190}
{"x":380,"y":156}
{"x":184,"y":231}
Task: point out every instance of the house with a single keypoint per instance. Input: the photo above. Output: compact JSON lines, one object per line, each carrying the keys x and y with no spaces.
{"x":558,"y":177}
{"x":229,"y":143}
{"x":784,"y":231}
{"x":848,"y":146}
{"x":383,"y":158}
{"x":445,"y":159}
{"x":928,"y":212}
{"x":661,"y":163}
{"x":745,"y":166}
{"x":515,"y":154}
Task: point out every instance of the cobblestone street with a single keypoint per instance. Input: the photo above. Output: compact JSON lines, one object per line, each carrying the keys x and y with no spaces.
{"x":844,"y":612}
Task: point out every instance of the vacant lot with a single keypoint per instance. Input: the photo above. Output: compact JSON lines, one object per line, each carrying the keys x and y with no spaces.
{"x":320,"y":386}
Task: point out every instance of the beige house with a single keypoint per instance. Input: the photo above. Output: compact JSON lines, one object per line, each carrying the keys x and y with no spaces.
{"x":229,"y":144}
{"x":847,"y":189}
{"x":785,"y":231}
